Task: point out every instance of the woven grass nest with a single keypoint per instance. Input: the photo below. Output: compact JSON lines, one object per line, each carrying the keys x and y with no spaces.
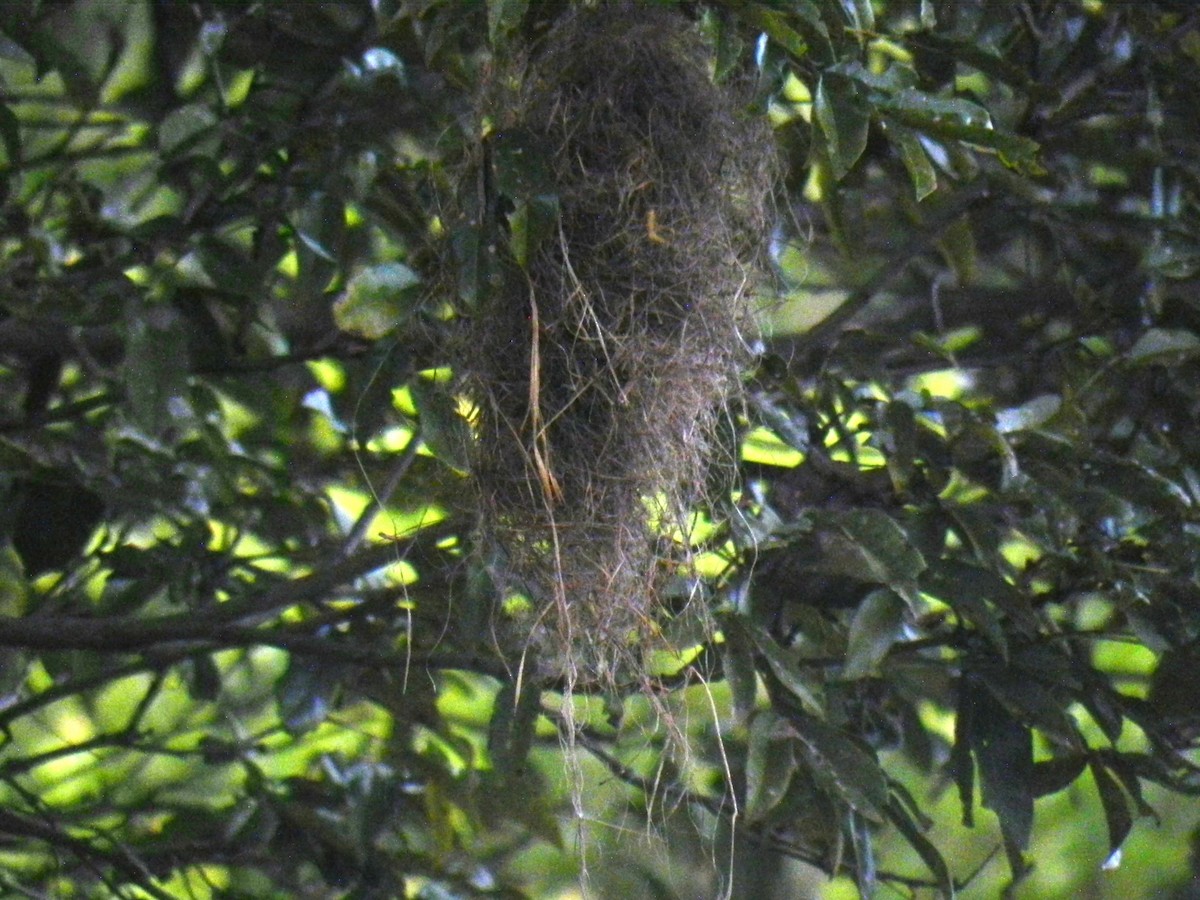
{"x":601,"y":363}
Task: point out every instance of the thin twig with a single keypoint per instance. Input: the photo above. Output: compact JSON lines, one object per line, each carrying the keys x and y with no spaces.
{"x":382,"y":495}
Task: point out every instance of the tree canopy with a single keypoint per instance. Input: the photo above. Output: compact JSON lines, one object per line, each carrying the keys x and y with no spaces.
{"x":927,"y":621}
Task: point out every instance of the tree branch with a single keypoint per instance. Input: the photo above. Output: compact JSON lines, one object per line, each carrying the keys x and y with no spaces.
{"x":127,"y":633}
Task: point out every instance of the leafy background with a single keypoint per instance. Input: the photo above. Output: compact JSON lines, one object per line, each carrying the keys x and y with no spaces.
{"x":247,"y":647}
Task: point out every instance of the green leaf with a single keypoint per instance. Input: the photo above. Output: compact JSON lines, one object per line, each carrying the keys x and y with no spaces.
{"x":968,"y":590}
{"x":305,"y":695}
{"x":521,"y":164}
{"x":227,"y":267}
{"x":504,"y":17}
{"x":737,"y":655}
{"x":10,"y":133}
{"x":867,"y":545}
{"x":377,"y":299}
{"x":312,"y":242}
{"x":957,"y":244}
{"x":1029,"y":690}
{"x":862,"y":15}
{"x":899,"y":816}
{"x":472,"y":264}
{"x":318,"y":227}
{"x":155,"y":369}
{"x":791,"y":427}
{"x":204,"y":678}
{"x":1125,"y":771}
{"x":512,"y":727}
{"x":1004,"y":749}
{"x":815,"y":36}
{"x":1117,"y":815}
{"x":187,"y":130}
{"x":1053,"y":775}
{"x":876,"y":625}
{"x":770,"y":764}
{"x":367,"y":401}
{"x":75,"y":64}
{"x":799,"y":684}
{"x":727,"y":46}
{"x":444,"y":431}
{"x":899,"y":439}
{"x":1175,"y":258}
{"x":844,"y":120}
{"x":960,"y":123}
{"x":957,"y":579}
{"x":1030,"y":415}
{"x":914,"y":105}
{"x":961,"y":763}
{"x":1164,"y":346}
{"x":14,"y":586}
{"x":891,"y":80}
{"x":977,"y":56}
{"x":810,"y":23}
{"x":853,"y":772}
{"x":530,"y":225}
{"x":916,"y":161}
{"x":866,"y":866}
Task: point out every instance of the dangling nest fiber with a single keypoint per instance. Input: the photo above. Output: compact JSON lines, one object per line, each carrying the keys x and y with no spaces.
{"x":600,"y":367}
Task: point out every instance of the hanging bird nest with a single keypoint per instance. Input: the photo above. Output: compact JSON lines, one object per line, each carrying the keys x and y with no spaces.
{"x":613,"y":334}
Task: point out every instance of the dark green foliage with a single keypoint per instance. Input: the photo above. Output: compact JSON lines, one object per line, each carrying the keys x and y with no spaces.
{"x":253,"y":642}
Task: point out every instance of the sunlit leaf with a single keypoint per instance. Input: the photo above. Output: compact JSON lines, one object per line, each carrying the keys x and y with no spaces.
{"x":377,"y":299}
